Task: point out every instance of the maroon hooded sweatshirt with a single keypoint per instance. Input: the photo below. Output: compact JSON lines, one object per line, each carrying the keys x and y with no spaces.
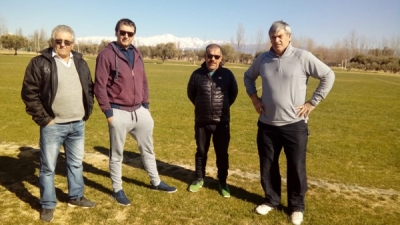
{"x":117,"y":83}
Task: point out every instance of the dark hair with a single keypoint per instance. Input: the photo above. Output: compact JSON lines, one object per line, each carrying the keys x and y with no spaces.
{"x":125,"y":21}
{"x":213,"y":46}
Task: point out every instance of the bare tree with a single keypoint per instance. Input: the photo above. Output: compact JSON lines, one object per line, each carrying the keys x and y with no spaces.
{"x":321,"y":53}
{"x":19,"y":32}
{"x":310,"y":44}
{"x":352,"y":44}
{"x":362,"y":47}
{"x":260,"y":41}
{"x":34,"y":41}
{"x":38,"y":40}
{"x":240,"y":37}
{"x":338,"y":53}
{"x":395,"y":45}
{"x":3,"y":27}
{"x":179,"y":50}
{"x":43,"y":38}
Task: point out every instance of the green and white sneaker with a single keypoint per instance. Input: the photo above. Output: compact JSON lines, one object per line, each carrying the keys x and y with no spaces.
{"x":196,"y":185}
{"x":224,"y":190}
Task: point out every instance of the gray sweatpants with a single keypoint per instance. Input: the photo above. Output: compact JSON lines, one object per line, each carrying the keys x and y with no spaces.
{"x":139,"y":125}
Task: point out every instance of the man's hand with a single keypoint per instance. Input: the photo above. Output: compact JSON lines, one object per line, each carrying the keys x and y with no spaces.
{"x":304,"y":110}
{"x":258,"y":105}
{"x":110,"y":119}
{"x":50,"y":123}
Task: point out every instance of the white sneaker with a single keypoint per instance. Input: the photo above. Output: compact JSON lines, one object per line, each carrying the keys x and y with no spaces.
{"x":263,"y":209}
{"x":297,"y":218}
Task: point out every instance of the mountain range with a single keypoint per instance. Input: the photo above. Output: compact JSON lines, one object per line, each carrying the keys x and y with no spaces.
{"x":183,"y":43}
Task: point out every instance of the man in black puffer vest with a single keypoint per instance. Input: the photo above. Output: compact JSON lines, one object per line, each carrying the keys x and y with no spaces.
{"x":212,"y":89}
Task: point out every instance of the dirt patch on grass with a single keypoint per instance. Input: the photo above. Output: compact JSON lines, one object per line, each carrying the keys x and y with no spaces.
{"x":26,"y":188}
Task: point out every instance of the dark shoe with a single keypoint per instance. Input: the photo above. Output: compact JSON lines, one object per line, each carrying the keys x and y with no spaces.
{"x":164,"y":187}
{"x":121,"y":198}
{"x":81,"y":202}
{"x":47,"y":215}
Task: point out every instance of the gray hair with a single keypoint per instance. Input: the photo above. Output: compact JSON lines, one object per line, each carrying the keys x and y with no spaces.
{"x":279,"y":25}
{"x":63,"y":28}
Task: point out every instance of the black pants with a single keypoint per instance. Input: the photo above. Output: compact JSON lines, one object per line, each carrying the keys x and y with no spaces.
{"x":220,"y":135}
{"x":270,"y":140}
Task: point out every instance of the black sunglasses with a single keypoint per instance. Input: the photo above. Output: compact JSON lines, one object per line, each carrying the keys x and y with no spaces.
{"x":210,"y":56}
{"x":122,"y":33}
{"x":60,"y":41}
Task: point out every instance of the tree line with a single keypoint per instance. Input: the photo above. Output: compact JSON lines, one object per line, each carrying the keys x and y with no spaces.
{"x":353,"y":52}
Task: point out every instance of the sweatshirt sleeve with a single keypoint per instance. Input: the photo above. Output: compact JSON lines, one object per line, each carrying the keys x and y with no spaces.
{"x":319,"y":70}
{"x":100,"y":83}
{"x":251,"y":75}
{"x":145,"y":100}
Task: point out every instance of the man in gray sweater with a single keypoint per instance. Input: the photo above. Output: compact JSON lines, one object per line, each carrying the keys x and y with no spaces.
{"x":284,"y":112}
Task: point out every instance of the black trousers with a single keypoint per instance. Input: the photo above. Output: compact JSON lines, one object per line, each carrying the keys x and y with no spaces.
{"x":270,"y":140}
{"x":220,"y":136}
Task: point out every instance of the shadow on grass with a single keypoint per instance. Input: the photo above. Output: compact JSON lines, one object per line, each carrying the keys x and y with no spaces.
{"x":182,"y":174}
{"x":15,"y":171}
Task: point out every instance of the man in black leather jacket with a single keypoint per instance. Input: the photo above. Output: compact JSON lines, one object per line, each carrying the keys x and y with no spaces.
{"x":212,"y":89}
{"x":58,"y":93}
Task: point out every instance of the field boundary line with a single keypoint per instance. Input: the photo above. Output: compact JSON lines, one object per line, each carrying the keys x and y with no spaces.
{"x":387,"y":81}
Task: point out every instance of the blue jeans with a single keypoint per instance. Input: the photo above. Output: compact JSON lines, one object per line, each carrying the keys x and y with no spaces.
{"x":71,"y":136}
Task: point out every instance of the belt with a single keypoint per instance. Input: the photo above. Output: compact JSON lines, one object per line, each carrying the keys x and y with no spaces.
{"x":126,"y":108}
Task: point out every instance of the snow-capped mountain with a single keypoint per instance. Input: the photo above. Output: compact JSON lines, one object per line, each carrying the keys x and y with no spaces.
{"x":183,"y":43}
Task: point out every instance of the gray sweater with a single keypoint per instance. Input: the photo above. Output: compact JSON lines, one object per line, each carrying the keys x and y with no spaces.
{"x":284,"y":83}
{"x":68,"y":102}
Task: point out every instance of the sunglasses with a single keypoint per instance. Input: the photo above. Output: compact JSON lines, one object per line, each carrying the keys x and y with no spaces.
{"x":210,"y":56}
{"x":60,"y":41}
{"x":122,"y":33}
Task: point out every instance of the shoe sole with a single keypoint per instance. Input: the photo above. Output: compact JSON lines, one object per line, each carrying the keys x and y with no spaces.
{"x":46,"y":220}
{"x":123,"y":204}
{"x":169,"y":192}
{"x":74,"y":206}
{"x":119,"y":202}
{"x":194,"y":190}
{"x":263,"y":213}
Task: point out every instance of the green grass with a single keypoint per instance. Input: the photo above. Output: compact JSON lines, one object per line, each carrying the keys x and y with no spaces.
{"x":352,"y":163}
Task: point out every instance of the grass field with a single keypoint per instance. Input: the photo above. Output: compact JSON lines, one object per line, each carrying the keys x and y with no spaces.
{"x":353,"y":161}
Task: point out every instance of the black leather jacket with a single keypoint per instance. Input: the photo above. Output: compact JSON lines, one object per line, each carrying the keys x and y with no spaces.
{"x":40,"y":86}
{"x":213,"y":95}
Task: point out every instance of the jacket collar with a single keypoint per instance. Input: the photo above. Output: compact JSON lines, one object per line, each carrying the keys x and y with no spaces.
{"x":204,"y":66}
{"x":288,"y":49}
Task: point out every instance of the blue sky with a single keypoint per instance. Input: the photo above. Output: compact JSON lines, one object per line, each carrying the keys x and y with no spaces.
{"x":325,"y":21}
